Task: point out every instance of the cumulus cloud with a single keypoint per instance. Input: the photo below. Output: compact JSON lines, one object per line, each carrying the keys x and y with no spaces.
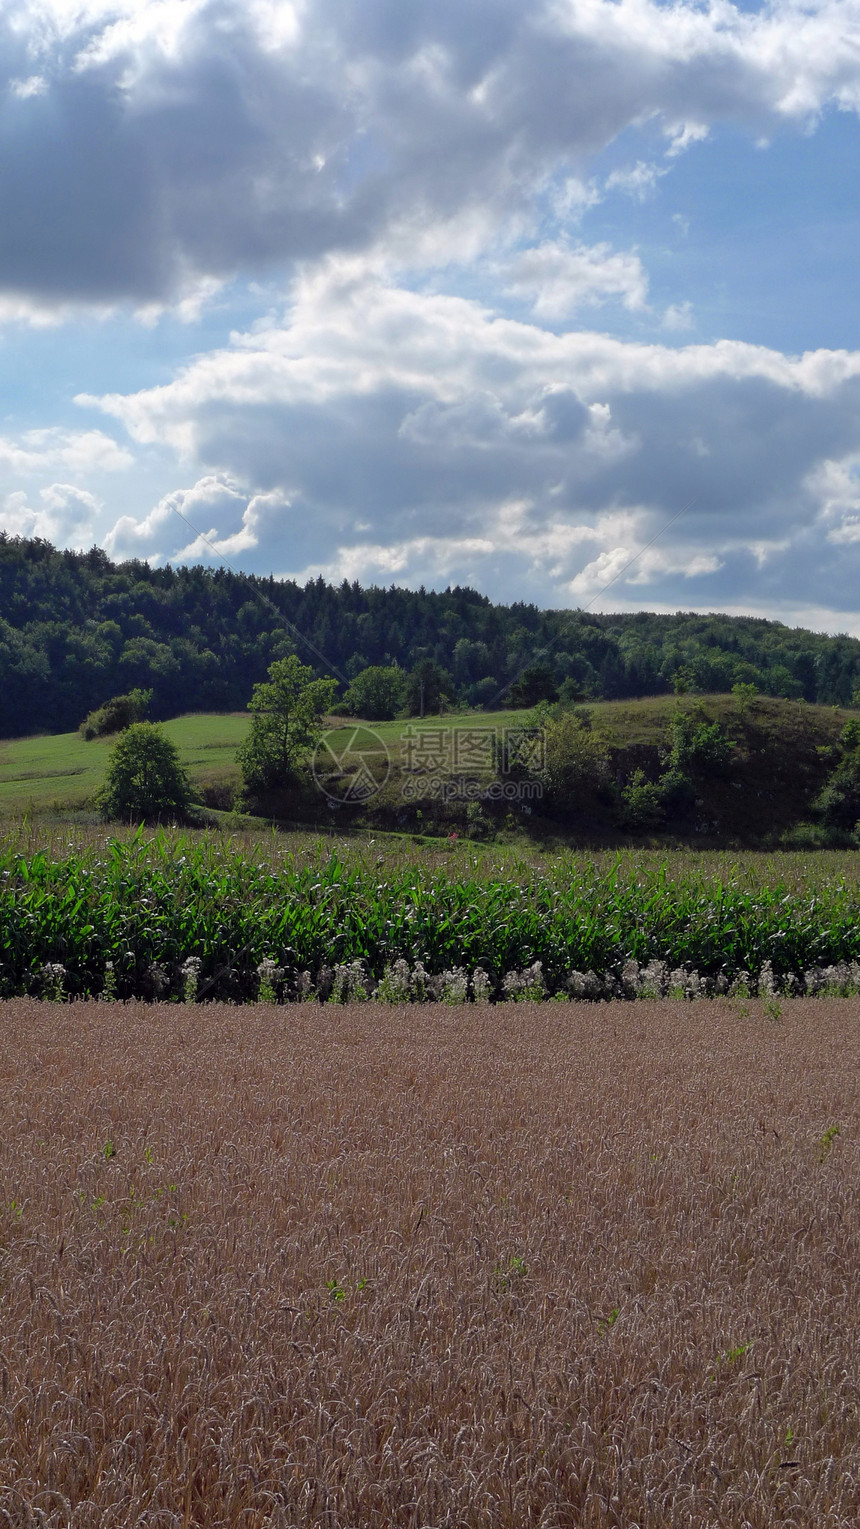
{"x":559,"y":279}
{"x":382,"y":164}
{"x":395,"y":432}
{"x":50,"y":449}
{"x":63,"y":514}
{"x":152,"y":146}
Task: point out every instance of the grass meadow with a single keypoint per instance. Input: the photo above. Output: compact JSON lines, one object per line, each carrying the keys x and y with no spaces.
{"x":60,"y":770}
{"x":530,"y":1265}
{"x":778,"y":746}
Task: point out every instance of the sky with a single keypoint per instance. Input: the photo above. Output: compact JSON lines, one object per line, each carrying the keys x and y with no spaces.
{"x":555,"y":298}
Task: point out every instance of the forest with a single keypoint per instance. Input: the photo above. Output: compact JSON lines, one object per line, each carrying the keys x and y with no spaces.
{"x":76,"y":628}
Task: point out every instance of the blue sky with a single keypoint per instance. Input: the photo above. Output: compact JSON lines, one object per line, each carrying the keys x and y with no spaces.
{"x":453,"y":291}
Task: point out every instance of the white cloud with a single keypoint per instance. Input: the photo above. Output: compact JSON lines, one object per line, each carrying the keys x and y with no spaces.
{"x":678,"y":316}
{"x":377,"y":427}
{"x":213,"y":498}
{"x":640,"y":181}
{"x":682,"y":134}
{"x":66,"y":515}
{"x":47,"y":450}
{"x":559,"y":279}
{"x":573,"y":198}
{"x":836,"y":485}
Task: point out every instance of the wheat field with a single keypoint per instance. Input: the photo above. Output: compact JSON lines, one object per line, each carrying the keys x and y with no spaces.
{"x":550,"y":1265}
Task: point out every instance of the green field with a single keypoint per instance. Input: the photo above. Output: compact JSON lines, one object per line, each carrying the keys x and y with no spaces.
{"x":61,"y":770}
{"x":782,"y":752}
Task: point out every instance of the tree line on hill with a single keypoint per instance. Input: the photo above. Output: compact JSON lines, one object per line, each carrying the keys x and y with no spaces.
{"x":77,"y":629}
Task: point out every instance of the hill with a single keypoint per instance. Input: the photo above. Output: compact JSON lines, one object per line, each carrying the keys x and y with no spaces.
{"x":60,"y":772}
{"x":76,"y":628}
{"x":433,"y":776}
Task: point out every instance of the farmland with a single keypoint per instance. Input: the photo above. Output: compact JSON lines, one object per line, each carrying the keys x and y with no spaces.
{"x":495,"y":1268}
{"x":170,"y":914}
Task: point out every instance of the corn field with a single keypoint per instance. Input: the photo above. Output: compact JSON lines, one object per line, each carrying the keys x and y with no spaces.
{"x":179,"y":916}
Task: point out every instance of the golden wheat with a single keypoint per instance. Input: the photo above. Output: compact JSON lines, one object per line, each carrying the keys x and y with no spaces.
{"x":550,"y":1265}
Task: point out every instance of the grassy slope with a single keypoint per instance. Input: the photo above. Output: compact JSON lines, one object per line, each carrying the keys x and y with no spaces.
{"x":62,"y":770}
{"x":776,"y":769}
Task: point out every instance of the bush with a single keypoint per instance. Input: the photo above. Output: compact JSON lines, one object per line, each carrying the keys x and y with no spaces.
{"x":744,"y":694}
{"x":116,"y":715}
{"x":576,"y":761}
{"x":478,"y":824}
{"x":697,"y":744}
{"x":839,"y":803}
{"x":145,"y":780}
{"x":641,"y":802}
{"x":677,"y":793}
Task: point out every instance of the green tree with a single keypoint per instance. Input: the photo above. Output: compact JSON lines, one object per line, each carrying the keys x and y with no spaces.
{"x":145,"y":780}
{"x":684,"y":679}
{"x":850,"y":735}
{"x":288,"y":712}
{"x":428,"y":688}
{"x":839,"y":802}
{"x":576,"y":762}
{"x":744,"y":694}
{"x":534,"y":685}
{"x":376,"y":693}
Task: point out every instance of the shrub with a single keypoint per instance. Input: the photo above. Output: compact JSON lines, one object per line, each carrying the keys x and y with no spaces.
{"x":576,"y":761}
{"x":850,"y":735}
{"x":145,"y":780}
{"x":744,"y":694}
{"x":839,"y":803}
{"x":641,"y":802}
{"x":120,"y":712}
{"x":698,"y":745}
{"x":478,"y":824}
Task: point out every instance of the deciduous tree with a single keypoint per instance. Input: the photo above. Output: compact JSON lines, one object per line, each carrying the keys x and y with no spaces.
{"x":145,"y":780}
{"x":288,"y":711}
